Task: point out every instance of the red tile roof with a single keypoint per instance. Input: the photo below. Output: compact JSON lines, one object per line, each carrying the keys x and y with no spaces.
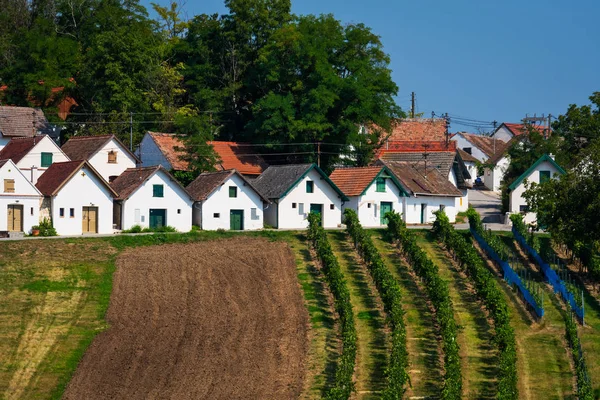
{"x":519,"y":129}
{"x":418,"y":146}
{"x":420,"y":129}
{"x":486,"y":144}
{"x":353,"y":181}
{"x":233,"y":155}
{"x":422,"y":180}
{"x":22,"y":121}
{"x":18,"y":147}
{"x":503,"y":149}
{"x":51,"y":181}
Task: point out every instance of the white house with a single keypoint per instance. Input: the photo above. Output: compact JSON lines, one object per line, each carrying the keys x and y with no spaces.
{"x":151,"y":198}
{"x":76,"y":198}
{"x":372,"y":192}
{"x":470,"y":164}
{"x":543,"y":169}
{"x":429,"y":191}
{"x":478,"y":146}
{"x":227,"y":200}
{"x":33,"y":155}
{"x":22,"y":122}
{"x":295,"y":191}
{"x":106,"y":153}
{"x":506,"y":131}
{"x":19,"y":200}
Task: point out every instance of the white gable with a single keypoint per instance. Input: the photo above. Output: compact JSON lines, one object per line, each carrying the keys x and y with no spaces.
{"x":31,"y":164}
{"x":462,"y":143}
{"x":101,"y":161}
{"x":150,"y":155}
{"x":503,"y":133}
{"x":23,"y":187}
{"x":25,"y":197}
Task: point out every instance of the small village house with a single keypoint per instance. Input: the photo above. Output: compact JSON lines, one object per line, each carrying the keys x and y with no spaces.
{"x":151,"y":198}
{"x":167,"y":149}
{"x":227,"y":200}
{"x":545,"y":168}
{"x":496,"y":166}
{"x":471,"y":164}
{"x":22,"y":122}
{"x":295,"y":191}
{"x":429,"y":191}
{"x":506,"y":131}
{"x":33,"y":155}
{"x":480,"y":147}
{"x":106,"y":153}
{"x":372,"y":192}
{"x":19,"y":200}
{"x":76,"y":199}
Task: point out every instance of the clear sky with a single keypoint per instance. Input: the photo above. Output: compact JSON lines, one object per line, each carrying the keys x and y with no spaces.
{"x":477,"y":59}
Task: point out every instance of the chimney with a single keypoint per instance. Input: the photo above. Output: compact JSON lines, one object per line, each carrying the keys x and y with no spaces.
{"x":551,"y":156}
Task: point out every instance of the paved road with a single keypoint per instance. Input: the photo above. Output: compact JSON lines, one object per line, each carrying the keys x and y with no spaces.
{"x":488,"y":205}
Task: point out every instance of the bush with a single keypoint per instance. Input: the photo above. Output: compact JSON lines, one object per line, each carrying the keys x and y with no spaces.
{"x":437,"y":292}
{"x":343,"y":385}
{"x":45,"y":227}
{"x":139,"y":229}
{"x":390,"y":294}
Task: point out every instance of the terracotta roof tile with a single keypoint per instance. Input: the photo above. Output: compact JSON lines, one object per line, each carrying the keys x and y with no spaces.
{"x":441,"y":160}
{"x":353,"y":181}
{"x":422,"y":181}
{"x":420,"y":129}
{"x":207,"y":182}
{"x":22,"y":122}
{"x":84,"y":147}
{"x":503,"y":150}
{"x":519,"y":129}
{"x":170,"y":145}
{"x":466,"y":156}
{"x":19,"y":147}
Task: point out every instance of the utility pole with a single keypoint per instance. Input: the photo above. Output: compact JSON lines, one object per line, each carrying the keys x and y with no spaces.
{"x":131,"y":131}
{"x":532,"y":120}
{"x":447,"y":130}
{"x":412,"y":105}
{"x":319,"y":154}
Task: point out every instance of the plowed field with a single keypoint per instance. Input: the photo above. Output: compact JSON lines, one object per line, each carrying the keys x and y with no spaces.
{"x":211,"y":320}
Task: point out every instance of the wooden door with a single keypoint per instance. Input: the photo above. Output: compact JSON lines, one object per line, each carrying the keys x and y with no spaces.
{"x":89,"y":220}
{"x":158,"y":218}
{"x":384,"y":208}
{"x":15,"y":218}
{"x":236,"y":220}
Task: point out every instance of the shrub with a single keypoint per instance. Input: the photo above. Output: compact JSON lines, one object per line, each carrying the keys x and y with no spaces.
{"x":45,"y":227}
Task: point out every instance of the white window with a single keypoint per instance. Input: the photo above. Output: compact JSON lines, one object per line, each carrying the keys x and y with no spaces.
{"x":254,"y":214}
{"x":136,"y":216}
{"x":375,"y":209}
{"x":301,"y":208}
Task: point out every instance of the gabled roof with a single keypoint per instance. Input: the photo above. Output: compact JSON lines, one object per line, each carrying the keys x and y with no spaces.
{"x":206,"y":183}
{"x":355,"y":181}
{"x":170,"y":146}
{"x":530,"y":170}
{"x":132,"y":178}
{"x":58,"y":174}
{"x":22,"y":122}
{"x":421,"y":181}
{"x":420,"y":129}
{"x":503,"y":150}
{"x":466,"y":156}
{"x":415,"y":146}
{"x":85,"y":147}
{"x":278,"y":180}
{"x":519,"y":129}
{"x":19,"y":147}
{"x":442,"y":160}
{"x":487,"y":144}
{"x":17,"y":170}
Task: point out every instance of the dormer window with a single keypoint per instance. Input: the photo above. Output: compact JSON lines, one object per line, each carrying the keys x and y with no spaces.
{"x":112,"y":157}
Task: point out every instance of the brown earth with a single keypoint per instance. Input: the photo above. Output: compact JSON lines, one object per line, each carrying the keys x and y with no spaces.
{"x":212,"y":320}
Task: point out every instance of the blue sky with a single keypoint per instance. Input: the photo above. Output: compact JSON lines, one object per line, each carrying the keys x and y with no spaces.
{"x":483,"y":60}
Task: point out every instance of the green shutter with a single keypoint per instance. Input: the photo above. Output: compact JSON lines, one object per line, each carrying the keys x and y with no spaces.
{"x":310,"y":186}
{"x":46,"y":159}
{"x":158,"y":191}
{"x":544,"y":176}
{"x":232,"y":191}
{"x":381,"y":184}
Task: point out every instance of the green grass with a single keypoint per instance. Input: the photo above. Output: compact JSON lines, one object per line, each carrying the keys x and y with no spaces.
{"x":478,"y":352}
{"x":372,"y":340}
{"x":422,"y":344}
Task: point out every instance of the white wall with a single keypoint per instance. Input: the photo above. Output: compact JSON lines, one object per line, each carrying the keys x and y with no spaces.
{"x":34,"y":158}
{"x":296,"y":218}
{"x":432,"y":204}
{"x":462,"y":142}
{"x":220,"y":203}
{"x":176,"y":201}
{"x":150,"y":154}
{"x":516,"y":196}
{"x":503,"y":134}
{"x":493,"y":177}
{"x":3,"y":141}
{"x":25,"y":194}
{"x":82,"y":191}
{"x":462,"y":203}
{"x":472,"y":168}
{"x":100,"y":160}
{"x":368,"y":206}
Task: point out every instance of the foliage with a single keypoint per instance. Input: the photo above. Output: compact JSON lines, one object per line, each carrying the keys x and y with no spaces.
{"x":139,"y":229}
{"x":343,"y":385}
{"x":488,"y":291}
{"x":390,"y":293}
{"x":438,"y":294}
{"x":45,"y":227}
{"x":584,"y":385}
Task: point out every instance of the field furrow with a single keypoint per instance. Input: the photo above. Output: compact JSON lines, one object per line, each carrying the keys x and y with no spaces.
{"x":370,"y":319}
{"x":478,"y":353}
{"x":422,"y":343}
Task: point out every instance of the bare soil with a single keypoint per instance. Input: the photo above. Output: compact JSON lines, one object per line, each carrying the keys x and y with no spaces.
{"x":219,"y":320}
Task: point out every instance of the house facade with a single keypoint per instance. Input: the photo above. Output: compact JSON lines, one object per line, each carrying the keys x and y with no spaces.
{"x":77,"y":199}
{"x":507,"y":131}
{"x":151,"y":198}
{"x":295,"y":191}
{"x":33,"y":155}
{"x":545,"y":168}
{"x":227,"y":200}
{"x":372,"y":192}
{"x":106,"y":153}
{"x":19,"y":200}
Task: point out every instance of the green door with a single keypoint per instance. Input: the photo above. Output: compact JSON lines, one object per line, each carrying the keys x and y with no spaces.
{"x":236,"y":220}
{"x":317,"y":209}
{"x":424,"y":213}
{"x":384,"y":208}
{"x":158,"y":218}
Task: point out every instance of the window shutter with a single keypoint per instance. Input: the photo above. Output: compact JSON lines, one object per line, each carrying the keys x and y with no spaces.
{"x":9,"y":186}
{"x":310,"y":187}
{"x":158,"y":191}
{"x":46,"y":159}
{"x":112,"y":157}
{"x":544,"y":176}
{"x":380,"y":184}
{"x":232,"y":191}
{"x":254,"y":214}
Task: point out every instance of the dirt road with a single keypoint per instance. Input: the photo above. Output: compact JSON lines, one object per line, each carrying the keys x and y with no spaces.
{"x":213,"y":320}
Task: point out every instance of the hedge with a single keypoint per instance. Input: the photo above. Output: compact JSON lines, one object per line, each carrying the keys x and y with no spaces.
{"x":343,"y":385}
{"x":390,"y":294}
{"x":488,"y":291}
{"x":438,"y":293}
